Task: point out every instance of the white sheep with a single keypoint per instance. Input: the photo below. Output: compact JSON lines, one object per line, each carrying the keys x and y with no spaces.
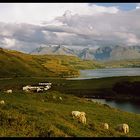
{"x":60,"y":98}
{"x":123,"y":128}
{"x":80,"y":116}
{"x":46,"y":88}
{"x":75,"y":114}
{"x":105,"y":125}
{"x":26,"y":88}
{"x":39,"y":89}
{"x":2,"y":102}
{"x":9,"y":91}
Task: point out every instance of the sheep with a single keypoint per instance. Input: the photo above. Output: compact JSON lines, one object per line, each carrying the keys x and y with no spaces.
{"x":29,"y":88}
{"x":75,"y":114}
{"x":105,"y":125}
{"x":49,"y":84}
{"x":26,"y":88}
{"x":9,"y":91}
{"x":80,"y":116}
{"x":123,"y":128}
{"x":46,"y":88}
{"x":39,"y":89}
{"x":60,"y":98}
{"x":45,"y":83}
{"x":2,"y":102}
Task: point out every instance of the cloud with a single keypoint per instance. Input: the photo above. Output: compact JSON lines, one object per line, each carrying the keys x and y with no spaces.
{"x":138,"y":6}
{"x":34,"y":13}
{"x":74,"y":25}
{"x":128,"y":38}
{"x":8,"y":42}
{"x":106,"y":27}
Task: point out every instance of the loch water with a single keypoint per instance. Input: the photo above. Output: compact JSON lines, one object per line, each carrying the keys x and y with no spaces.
{"x":128,"y":106}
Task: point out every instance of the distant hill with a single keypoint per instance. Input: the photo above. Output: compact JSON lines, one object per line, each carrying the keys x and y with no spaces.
{"x":101,"y":53}
{"x":122,"y":63}
{"x":87,"y":54}
{"x":54,"y":50}
{"x":14,"y":64}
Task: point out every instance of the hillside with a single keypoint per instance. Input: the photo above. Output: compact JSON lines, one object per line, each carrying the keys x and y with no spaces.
{"x":33,"y":115}
{"x":14,"y":64}
{"x":121,"y":88}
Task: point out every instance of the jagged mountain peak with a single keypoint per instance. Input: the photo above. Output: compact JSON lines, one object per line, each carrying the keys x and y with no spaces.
{"x":53,"y":49}
{"x":89,"y":53}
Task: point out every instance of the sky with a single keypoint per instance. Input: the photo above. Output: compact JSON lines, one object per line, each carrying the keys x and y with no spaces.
{"x":26,"y":26}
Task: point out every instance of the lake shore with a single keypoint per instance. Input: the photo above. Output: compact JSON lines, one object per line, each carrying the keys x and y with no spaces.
{"x":107,"y":72}
{"x":113,"y":98}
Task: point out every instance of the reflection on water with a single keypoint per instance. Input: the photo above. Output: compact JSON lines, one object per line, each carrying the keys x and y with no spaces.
{"x":123,"y":105}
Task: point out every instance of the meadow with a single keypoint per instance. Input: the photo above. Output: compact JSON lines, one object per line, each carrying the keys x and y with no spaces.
{"x":41,"y":115}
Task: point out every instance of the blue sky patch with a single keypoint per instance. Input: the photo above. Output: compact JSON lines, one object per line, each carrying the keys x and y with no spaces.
{"x":121,"y":6}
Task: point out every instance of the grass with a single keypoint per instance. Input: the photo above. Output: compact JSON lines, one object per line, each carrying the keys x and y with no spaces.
{"x":89,"y":87}
{"x":40,"y":115}
{"x":27,"y":115}
{"x":101,"y":87}
{"x":17,"y":64}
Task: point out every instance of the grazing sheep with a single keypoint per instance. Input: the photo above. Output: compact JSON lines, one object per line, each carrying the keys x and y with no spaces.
{"x":2,"y":102}
{"x":60,"y":98}
{"x":123,"y":128}
{"x":9,"y":91}
{"x":83,"y":113}
{"x":39,"y":89}
{"x":80,"y":116}
{"x":105,"y":125}
{"x":26,"y":88}
{"x":47,"y":87}
{"x":75,"y":114}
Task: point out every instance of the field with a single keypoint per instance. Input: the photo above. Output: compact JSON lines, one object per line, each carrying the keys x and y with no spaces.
{"x":125,"y":87}
{"x":40,"y":115}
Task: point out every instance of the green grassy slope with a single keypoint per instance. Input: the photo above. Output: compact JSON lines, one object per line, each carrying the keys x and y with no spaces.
{"x":41,"y":115}
{"x":14,"y":64}
{"x":34,"y":114}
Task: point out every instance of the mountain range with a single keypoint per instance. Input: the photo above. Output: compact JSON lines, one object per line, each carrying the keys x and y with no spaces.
{"x":100,"y":53}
